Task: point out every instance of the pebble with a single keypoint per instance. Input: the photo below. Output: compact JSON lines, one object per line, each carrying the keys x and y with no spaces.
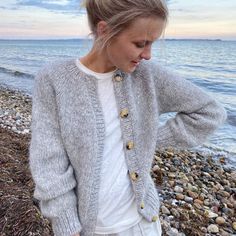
{"x":197,"y":201}
{"x":224,"y":233}
{"x":178,"y":189}
{"x":171,"y":183}
{"x":213,"y":228}
{"x":155,"y":168}
{"x":220,"y":220}
{"x":192,"y":194}
{"x":198,"y":206}
{"x":234,"y":225}
{"x":172,"y":175}
{"x":188,"y":199}
{"x":165,"y":210}
{"x":175,"y":212}
{"x":15,"y":112}
{"x":180,"y":196}
{"x":206,"y":202}
{"x":173,"y":232}
{"x":210,"y":214}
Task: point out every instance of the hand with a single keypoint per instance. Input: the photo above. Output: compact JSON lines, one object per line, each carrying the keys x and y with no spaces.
{"x":76,"y":235}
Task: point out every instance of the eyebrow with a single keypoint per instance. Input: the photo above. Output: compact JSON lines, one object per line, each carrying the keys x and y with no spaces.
{"x":146,"y":41}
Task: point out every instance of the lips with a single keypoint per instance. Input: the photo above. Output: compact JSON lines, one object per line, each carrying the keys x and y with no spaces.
{"x":136,"y":62}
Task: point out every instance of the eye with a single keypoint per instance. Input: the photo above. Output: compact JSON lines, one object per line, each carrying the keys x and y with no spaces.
{"x":140,"y":45}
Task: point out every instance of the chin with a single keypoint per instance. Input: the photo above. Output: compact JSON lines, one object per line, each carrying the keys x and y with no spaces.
{"x":129,"y":69}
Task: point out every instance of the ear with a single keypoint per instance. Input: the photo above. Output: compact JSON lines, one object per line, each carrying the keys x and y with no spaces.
{"x":101,"y":28}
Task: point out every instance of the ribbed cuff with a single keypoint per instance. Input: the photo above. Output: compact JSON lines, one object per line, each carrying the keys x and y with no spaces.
{"x":68,"y":224}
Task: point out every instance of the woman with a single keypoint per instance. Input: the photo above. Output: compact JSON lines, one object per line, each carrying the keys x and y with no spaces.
{"x":95,"y":125}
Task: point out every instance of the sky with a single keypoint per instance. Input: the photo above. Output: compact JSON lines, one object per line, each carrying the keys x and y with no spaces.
{"x":62,"y":19}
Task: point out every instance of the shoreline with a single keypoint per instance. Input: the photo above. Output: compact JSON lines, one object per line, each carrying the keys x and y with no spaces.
{"x":198,"y":192}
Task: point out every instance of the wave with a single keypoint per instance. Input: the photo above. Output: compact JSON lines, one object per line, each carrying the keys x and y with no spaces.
{"x":231,"y":119}
{"x":16,"y":73}
{"x":216,"y":152}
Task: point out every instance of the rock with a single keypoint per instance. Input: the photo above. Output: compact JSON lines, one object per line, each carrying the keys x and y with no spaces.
{"x":198,"y":206}
{"x":189,"y":186}
{"x":179,"y":196}
{"x":220,"y":220}
{"x":228,"y":211}
{"x":204,"y":230}
{"x":194,"y":189}
{"x":210,"y":214}
{"x":206,"y":174}
{"x":222,"y":160}
{"x":233,"y":176}
{"x":227,"y":189}
{"x":232,"y":199}
{"x":172,"y":232}
{"x":172,"y":175}
{"x":192,"y":194}
{"x":171,"y":183}
{"x":213,"y":228}
{"x":206,"y":202}
{"x":198,"y":201}
{"x":234,"y":225}
{"x":215,"y":209}
{"x":155,"y":168}
{"x":191,"y":178}
{"x":178,"y":189}
{"x":158,"y":159}
{"x":224,"y":194}
{"x":175,"y":212}
{"x":165,"y":210}
{"x":183,"y":176}
{"x":224,"y":233}
{"x":188,"y":199}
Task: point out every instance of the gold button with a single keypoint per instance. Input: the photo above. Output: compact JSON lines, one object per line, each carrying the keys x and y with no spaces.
{"x":142,"y":205}
{"x":118,"y":78}
{"x":134,"y":176}
{"x":130,"y":145}
{"x":124,"y":113}
{"x":154,"y":218}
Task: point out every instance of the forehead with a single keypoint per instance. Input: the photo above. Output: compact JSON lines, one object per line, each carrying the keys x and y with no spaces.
{"x":145,"y":29}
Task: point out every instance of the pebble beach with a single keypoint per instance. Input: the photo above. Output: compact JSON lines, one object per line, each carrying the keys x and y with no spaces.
{"x":198,"y":192}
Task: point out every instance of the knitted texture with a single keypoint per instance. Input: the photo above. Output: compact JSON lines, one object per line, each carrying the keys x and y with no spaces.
{"x":68,"y":131}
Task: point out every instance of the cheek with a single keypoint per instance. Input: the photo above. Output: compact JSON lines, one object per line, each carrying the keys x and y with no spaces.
{"x":129,"y":53}
{"x":123,"y":54}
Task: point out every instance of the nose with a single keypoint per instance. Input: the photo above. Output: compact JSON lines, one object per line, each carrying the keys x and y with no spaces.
{"x":146,"y":53}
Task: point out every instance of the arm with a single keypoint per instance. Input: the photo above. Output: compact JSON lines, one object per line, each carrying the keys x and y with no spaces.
{"x":198,"y":114}
{"x":49,"y":164}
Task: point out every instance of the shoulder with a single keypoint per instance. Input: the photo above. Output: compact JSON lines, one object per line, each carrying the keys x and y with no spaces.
{"x":56,"y":74}
{"x":163,"y":76}
{"x":55,"y":68}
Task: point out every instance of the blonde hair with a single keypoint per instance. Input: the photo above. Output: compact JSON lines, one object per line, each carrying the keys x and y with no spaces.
{"x":119,"y":14}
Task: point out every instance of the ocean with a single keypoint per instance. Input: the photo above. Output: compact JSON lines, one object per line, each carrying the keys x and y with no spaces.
{"x":210,"y":64}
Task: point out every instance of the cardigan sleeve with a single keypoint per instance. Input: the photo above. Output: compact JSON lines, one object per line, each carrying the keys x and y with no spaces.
{"x":49,"y":164}
{"x":198,"y":114}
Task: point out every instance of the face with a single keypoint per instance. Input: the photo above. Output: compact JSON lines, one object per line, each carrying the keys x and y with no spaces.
{"x":134,"y":44}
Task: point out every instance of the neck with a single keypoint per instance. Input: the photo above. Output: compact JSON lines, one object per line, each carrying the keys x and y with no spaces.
{"x":97,"y":61}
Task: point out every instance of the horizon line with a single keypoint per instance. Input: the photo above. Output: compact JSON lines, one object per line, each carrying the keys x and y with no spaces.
{"x":84,"y":38}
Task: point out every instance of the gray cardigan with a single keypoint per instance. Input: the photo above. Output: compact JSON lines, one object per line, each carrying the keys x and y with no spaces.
{"x":68,"y":136}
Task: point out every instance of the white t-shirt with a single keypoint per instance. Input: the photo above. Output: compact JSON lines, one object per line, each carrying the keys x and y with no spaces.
{"x":120,"y":214}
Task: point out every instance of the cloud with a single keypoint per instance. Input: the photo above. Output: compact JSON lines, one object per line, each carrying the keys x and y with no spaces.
{"x":62,"y":6}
